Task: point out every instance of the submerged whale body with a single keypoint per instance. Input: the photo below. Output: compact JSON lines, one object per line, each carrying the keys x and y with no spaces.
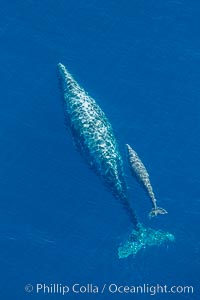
{"x":94,"y":138}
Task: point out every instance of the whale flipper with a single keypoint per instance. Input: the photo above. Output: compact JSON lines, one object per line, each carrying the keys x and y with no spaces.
{"x":157,"y":211}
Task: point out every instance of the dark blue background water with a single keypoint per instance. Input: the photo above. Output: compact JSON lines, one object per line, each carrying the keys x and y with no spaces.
{"x":140,"y":60}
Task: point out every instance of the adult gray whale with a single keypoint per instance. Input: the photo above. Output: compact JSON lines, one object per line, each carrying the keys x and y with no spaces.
{"x":95,"y":140}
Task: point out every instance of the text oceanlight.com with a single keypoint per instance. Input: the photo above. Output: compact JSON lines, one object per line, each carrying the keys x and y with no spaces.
{"x":112,"y":288}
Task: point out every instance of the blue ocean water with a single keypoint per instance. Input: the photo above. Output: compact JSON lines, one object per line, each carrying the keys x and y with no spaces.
{"x":140,"y":60}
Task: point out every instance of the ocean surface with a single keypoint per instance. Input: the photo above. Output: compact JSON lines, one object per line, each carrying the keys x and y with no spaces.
{"x":140,"y":60}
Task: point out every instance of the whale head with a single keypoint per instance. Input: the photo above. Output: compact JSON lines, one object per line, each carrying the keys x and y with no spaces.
{"x":67,"y":81}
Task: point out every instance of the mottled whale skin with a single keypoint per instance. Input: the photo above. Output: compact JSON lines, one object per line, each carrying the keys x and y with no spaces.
{"x":141,"y":173}
{"x":94,"y":138}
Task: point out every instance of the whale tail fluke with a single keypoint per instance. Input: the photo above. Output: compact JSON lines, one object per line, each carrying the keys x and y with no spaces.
{"x":157,"y":211}
{"x":141,"y":238}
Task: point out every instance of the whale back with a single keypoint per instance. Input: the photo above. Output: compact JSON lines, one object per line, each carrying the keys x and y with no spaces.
{"x":93,"y":134}
{"x":140,"y":172}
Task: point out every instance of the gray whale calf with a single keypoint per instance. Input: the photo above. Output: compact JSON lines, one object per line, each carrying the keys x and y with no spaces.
{"x":138,"y":169}
{"x":95,"y":140}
